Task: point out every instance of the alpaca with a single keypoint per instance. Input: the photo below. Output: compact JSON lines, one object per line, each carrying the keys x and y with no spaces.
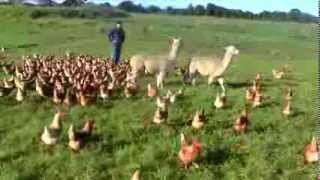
{"x":159,"y":65}
{"x":212,"y":67}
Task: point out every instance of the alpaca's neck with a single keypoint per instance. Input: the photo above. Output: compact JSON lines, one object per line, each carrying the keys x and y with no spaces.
{"x":173,"y":53}
{"x":226,"y":60}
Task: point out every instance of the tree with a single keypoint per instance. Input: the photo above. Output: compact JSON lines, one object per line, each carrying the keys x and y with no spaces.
{"x":294,"y":14}
{"x":73,"y":2}
{"x":127,"y":6}
{"x":153,"y":9}
{"x":106,"y":4}
{"x":190,"y":9}
{"x":211,"y":9}
{"x":169,"y":10}
{"x":199,"y":10}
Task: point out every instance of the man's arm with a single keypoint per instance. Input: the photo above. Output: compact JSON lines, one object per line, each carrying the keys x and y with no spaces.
{"x":123,"y":35}
{"x":110,"y":35}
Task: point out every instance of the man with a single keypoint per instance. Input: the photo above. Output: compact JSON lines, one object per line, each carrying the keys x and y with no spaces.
{"x":116,"y":37}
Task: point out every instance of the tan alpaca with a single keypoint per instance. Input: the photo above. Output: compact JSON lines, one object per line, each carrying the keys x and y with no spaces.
{"x":159,"y":65}
{"x":212,"y":67}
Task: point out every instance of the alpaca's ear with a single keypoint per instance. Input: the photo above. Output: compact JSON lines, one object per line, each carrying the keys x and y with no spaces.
{"x":171,"y":40}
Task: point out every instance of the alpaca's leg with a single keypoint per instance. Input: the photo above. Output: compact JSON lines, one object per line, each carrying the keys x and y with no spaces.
{"x":221,"y":82}
{"x":192,"y":71}
{"x":211,"y":79}
{"x":160,"y":80}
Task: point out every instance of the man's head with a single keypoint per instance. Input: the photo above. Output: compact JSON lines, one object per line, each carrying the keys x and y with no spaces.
{"x":119,"y":24}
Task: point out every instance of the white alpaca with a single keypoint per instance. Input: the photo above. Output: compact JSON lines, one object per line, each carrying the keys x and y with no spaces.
{"x":212,"y":67}
{"x":159,"y":65}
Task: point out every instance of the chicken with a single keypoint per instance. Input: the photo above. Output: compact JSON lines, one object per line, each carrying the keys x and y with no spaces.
{"x":84,"y":99}
{"x":188,"y":153}
{"x":160,"y":116}
{"x":131,"y":89}
{"x":287,"y":102}
{"x":287,"y":108}
{"x":7,"y":84}
{"x":198,"y":120}
{"x":258,"y":78}
{"x":19,"y":95}
{"x":180,"y":92}
{"x":220,"y":101}
{"x":1,"y":91}
{"x":152,"y":91}
{"x":67,"y":99}
{"x":56,"y":99}
{"x":171,"y":96}
{"x":183,"y":139}
{"x":136,"y":175}
{"x":77,"y":139}
{"x":19,"y":84}
{"x":7,"y":69}
{"x":241,"y":122}
{"x":103,"y":94}
{"x":162,"y":102}
{"x":250,"y":94}
{"x":278,"y":74}
{"x":51,"y":134}
{"x":255,"y":86}
{"x":257,"y":101}
{"x":39,"y":88}
{"x":311,"y":153}
{"x":288,"y":93}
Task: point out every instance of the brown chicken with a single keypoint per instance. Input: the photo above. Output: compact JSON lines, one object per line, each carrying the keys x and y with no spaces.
{"x":160,"y":116}
{"x":311,"y":153}
{"x":51,"y":134}
{"x":241,"y":122}
{"x":188,"y":153}
{"x":250,"y":95}
{"x":77,"y":139}
{"x":131,"y":89}
{"x":257,"y":101}
{"x":287,"y":102}
{"x":198,"y":120}
{"x":152,"y":91}
{"x":135,"y":175}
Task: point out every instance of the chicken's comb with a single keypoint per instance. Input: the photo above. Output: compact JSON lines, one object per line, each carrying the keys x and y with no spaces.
{"x":196,"y":143}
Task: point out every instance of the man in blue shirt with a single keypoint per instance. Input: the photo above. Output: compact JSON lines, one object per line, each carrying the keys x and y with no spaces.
{"x":116,"y":37}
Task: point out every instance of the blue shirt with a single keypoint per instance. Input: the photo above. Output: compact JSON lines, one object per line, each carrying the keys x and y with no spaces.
{"x":116,"y":36}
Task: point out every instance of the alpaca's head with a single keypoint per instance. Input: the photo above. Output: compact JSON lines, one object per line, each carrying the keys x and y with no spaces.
{"x":232,"y":50}
{"x":176,"y":42}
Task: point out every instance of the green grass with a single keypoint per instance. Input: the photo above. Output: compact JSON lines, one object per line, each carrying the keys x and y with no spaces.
{"x":273,"y":146}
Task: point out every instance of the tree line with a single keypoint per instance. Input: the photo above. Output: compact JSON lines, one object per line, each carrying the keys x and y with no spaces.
{"x":219,"y":11}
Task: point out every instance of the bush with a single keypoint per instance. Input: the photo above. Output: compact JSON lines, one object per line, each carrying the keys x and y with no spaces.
{"x":35,"y":14}
{"x":88,"y":13}
{"x":69,"y":13}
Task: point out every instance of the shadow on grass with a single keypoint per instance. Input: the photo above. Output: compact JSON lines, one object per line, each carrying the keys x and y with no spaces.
{"x":216,"y":156}
{"x":269,"y":104}
{"x":238,"y":84}
{"x":298,"y":113}
{"x":25,"y":46}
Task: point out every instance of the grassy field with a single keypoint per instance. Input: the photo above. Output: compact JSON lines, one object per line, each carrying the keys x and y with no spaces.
{"x":273,"y":147}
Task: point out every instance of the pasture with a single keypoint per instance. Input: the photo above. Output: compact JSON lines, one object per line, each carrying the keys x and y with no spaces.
{"x":271,"y":149}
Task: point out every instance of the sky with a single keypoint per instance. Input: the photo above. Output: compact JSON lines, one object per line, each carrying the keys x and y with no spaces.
{"x":256,"y":6}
